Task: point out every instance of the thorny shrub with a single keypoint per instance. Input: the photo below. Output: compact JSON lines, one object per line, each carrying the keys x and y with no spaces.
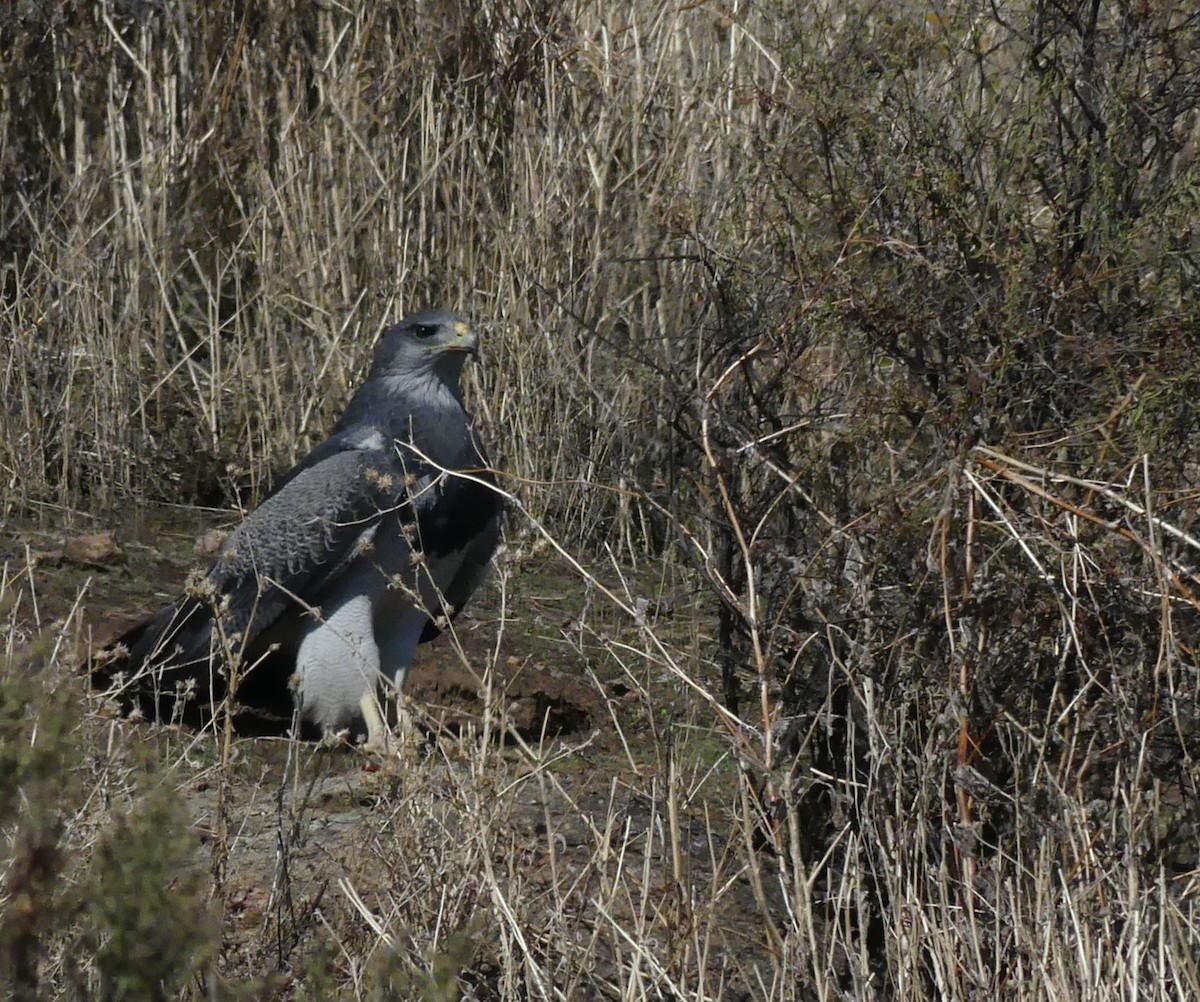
{"x":882,"y":315}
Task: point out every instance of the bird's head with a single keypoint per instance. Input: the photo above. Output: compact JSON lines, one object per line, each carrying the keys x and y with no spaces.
{"x":429,"y":342}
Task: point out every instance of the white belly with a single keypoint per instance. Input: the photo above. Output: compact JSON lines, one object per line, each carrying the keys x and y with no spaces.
{"x":368,"y":629}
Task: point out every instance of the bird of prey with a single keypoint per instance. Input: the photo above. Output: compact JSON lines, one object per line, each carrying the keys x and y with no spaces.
{"x":369,"y":546}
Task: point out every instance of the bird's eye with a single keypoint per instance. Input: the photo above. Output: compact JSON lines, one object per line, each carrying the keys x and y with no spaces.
{"x":424,"y":330}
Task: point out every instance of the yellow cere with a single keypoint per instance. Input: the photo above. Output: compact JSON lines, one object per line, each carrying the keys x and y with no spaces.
{"x":461,"y":329}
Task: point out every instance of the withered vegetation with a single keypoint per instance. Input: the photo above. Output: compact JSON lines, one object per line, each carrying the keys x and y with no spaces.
{"x":842,"y":363}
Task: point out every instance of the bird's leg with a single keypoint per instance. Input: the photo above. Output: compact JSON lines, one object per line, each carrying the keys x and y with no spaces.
{"x":398,"y":638}
{"x":378,"y":734}
{"x":406,"y":728}
{"x":380,"y":738}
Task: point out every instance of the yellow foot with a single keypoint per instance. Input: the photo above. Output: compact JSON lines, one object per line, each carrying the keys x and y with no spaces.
{"x":381,"y":740}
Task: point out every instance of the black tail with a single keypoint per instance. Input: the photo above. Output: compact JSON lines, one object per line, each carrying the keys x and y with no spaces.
{"x":171,"y":667}
{"x":164,"y":666}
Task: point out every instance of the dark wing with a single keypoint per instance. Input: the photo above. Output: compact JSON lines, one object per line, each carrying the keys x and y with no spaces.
{"x":280,"y":559}
{"x":358,"y":438}
{"x":461,"y":514}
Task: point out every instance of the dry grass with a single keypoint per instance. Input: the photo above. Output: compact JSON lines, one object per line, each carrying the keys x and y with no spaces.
{"x":661,"y":856}
{"x":841,"y":363}
{"x":226,"y":223}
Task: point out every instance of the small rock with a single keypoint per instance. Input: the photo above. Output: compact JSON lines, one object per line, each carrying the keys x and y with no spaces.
{"x":95,"y":549}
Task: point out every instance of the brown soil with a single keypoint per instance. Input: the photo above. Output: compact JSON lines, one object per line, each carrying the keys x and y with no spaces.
{"x":295,"y":830}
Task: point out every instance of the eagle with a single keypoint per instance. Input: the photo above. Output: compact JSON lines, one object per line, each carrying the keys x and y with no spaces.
{"x":370,"y":545}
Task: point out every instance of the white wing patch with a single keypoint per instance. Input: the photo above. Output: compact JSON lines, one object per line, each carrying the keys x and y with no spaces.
{"x":371,"y":439}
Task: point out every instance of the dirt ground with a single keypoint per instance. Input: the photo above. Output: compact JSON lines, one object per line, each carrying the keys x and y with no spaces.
{"x":556,"y":770}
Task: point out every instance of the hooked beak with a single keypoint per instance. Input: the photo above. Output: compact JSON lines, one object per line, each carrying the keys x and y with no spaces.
{"x":465,"y":341}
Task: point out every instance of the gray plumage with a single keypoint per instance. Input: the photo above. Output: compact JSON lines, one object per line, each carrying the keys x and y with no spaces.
{"x":368,"y":546}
